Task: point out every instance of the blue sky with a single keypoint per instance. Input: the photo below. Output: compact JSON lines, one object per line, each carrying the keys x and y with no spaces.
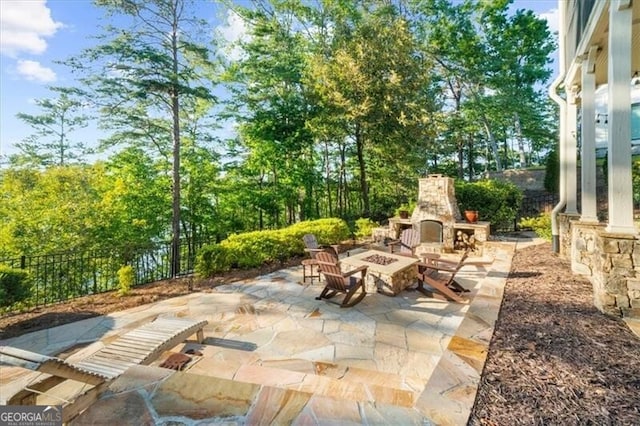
{"x":36,"y":33}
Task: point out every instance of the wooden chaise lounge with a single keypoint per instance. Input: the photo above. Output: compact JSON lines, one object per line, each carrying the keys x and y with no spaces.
{"x":142,"y":346}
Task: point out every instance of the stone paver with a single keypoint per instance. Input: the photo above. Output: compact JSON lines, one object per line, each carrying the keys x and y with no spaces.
{"x":272,"y":352}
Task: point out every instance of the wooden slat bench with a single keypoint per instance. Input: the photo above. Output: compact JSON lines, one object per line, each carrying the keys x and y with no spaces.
{"x":139,"y":346}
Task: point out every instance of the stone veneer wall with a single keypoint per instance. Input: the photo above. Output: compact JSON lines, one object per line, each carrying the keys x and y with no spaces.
{"x":525,"y":179}
{"x":564,"y":231}
{"x":437,"y":201}
{"x":611,"y":262}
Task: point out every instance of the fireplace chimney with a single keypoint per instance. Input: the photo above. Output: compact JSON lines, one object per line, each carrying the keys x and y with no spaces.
{"x":436,"y":200}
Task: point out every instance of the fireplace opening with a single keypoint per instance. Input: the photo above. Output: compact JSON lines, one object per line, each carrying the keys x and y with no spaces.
{"x":430,"y":231}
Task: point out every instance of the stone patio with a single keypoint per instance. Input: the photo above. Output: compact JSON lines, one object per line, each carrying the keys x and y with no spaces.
{"x":274,"y":355}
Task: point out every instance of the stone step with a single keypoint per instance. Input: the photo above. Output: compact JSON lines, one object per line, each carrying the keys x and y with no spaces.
{"x":319,"y":378}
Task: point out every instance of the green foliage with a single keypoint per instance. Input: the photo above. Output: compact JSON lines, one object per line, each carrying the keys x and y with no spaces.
{"x":635,"y":177}
{"x":552,"y":171}
{"x":336,"y":122}
{"x":364,"y":227}
{"x":212,"y":259}
{"x":122,"y":202}
{"x":126,"y":279}
{"x":51,"y":210}
{"x":541,"y":225}
{"x":496,"y":201}
{"x":270,"y":101}
{"x":327,"y":231}
{"x":479,"y":45}
{"x":149,"y":86}
{"x":373,"y":54}
{"x":408,"y":207}
{"x":15,"y":285}
{"x":252,"y":249}
{"x":134,"y":205}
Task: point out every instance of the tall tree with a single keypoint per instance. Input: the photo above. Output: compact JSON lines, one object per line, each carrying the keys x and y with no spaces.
{"x":140,"y":75}
{"x":270,"y":101}
{"x":51,"y":144}
{"x":451,"y":37}
{"x":517,"y":66}
{"x":374,"y":79}
{"x":491,"y":64}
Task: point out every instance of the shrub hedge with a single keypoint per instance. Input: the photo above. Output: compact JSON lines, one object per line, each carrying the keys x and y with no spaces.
{"x":252,"y":249}
{"x":496,"y":201}
{"x":540,"y":224}
{"x":364,"y":227}
{"x":126,"y":279}
{"x":15,"y":285}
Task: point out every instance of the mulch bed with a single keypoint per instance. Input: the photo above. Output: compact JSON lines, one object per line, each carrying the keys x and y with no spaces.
{"x":554,"y":359}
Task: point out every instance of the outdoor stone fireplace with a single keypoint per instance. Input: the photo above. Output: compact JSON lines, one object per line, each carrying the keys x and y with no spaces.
{"x":437,"y":209}
{"x":438,"y":220}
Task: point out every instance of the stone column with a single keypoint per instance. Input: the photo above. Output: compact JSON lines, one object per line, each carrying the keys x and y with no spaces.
{"x":619,"y":116}
{"x":588,"y":152}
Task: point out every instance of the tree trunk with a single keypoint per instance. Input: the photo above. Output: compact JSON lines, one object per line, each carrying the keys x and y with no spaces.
{"x":260,"y":209}
{"x":470,"y":160}
{"x":327,"y":166}
{"x":364,"y":187}
{"x":493,"y":145}
{"x":460,"y":149}
{"x":342,"y":178}
{"x":62,"y":137}
{"x":523,"y":156}
{"x":505,"y":148}
{"x":275,"y":218}
{"x":175,"y":111}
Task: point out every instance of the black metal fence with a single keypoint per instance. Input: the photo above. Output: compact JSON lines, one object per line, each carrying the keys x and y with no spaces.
{"x":531,"y":206}
{"x":63,"y":276}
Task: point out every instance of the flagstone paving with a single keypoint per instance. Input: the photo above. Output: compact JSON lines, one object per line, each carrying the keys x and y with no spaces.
{"x":273,"y":354}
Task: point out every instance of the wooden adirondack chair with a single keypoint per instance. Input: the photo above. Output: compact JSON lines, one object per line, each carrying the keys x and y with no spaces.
{"x":341,"y":282}
{"x":409,"y":240}
{"x":312,"y":247}
{"x":440,"y":274}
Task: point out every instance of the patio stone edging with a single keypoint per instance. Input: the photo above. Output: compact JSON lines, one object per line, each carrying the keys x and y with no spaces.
{"x":450,"y":393}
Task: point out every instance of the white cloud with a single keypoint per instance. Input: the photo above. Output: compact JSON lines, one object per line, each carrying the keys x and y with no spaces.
{"x":24,"y":26}
{"x":233,"y":32}
{"x":34,"y":71}
{"x":552,"y":17}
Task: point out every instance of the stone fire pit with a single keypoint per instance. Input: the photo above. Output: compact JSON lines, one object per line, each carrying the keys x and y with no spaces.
{"x":379,"y":259}
{"x":387,"y":273}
